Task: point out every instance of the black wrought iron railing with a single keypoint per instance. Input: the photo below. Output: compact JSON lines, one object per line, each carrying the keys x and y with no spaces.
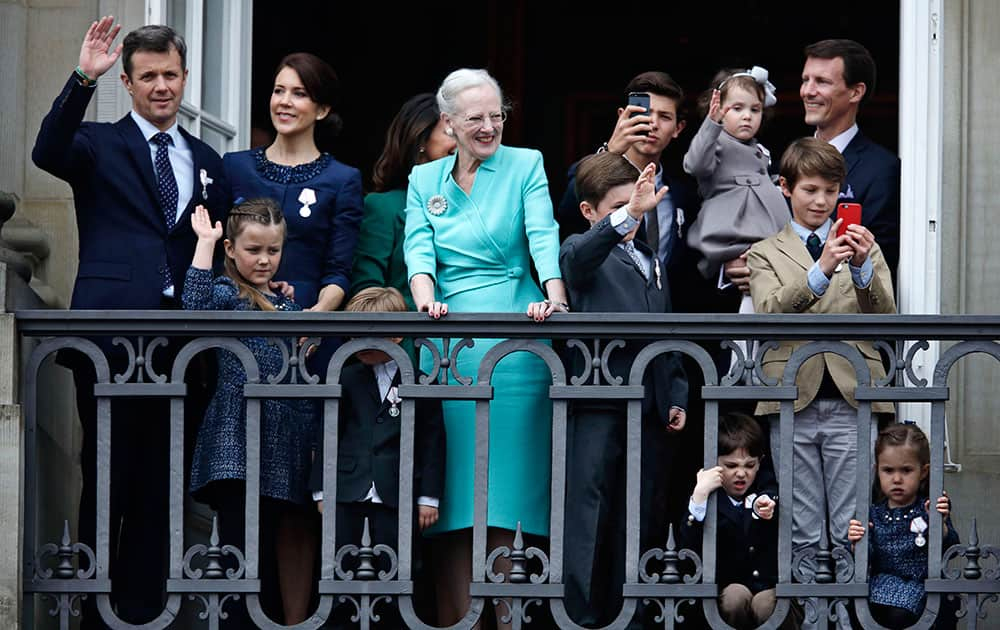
{"x":669,"y":580}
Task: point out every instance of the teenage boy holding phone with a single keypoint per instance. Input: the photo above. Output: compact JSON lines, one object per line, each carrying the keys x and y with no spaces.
{"x":641,"y":135}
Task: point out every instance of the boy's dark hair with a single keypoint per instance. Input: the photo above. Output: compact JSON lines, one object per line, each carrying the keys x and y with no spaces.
{"x":811,"y":157}
{"x":152,"y":38}
{"x":597,"y":174}
{"x":659,"y":83}
{"x":377,"y":300}
{"x":738,"y":430}
{"x":859,"y":66}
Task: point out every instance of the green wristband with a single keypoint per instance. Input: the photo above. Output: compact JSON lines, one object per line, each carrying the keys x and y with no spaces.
{"x":85,"y":80}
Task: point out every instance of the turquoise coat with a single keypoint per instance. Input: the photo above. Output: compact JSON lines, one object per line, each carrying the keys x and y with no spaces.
{"x":478,"y":248}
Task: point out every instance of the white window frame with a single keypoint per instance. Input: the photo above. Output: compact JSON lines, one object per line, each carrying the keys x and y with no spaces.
{"x":921,"y":108}
{"x":235,"y":74}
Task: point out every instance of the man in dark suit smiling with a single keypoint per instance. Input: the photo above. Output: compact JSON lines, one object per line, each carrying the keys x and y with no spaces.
{"x":839,"y":75}
{"x":135,"y":183}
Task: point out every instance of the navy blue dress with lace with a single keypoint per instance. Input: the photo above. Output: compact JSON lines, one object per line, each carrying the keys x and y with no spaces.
{"x":322,"y":205}
{"x":898,"y":563}
{"x":288,"y":426}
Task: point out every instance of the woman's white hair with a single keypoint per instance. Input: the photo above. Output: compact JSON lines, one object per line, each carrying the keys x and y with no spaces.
{"x":459,"y":81}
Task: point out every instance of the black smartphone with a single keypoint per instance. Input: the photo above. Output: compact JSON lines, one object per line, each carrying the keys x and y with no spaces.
{"x":642,"y":100}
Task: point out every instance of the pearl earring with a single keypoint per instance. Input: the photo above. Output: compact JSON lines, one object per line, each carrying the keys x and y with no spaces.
{"x":449,"y":131}
{"x":422,"y":149}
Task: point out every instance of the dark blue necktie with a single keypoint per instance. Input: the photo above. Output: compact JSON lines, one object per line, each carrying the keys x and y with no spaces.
{"x":166,"y":189}
{"x":166,"y":183}
{"x":814,"y":246}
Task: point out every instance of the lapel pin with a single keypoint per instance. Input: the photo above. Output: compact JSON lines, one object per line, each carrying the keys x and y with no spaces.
{"x":307,"y":197}
{"x":205,"y":181}
{"x":437,"y":205}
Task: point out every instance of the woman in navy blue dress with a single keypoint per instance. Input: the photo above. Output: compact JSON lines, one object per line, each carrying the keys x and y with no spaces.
{"x":321,"y":201}
{"x":319,"y":196}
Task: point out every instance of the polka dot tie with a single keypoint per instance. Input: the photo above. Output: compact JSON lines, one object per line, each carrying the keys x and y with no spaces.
{"x":166,"y":184}
{"x":166,"y":188}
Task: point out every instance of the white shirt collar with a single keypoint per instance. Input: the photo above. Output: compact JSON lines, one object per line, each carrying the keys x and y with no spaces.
{"x":841,"y":141}
{"x":149,"y":130}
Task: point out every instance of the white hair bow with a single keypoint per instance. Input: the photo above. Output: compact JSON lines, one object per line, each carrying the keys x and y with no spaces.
{"x":759,"y":75}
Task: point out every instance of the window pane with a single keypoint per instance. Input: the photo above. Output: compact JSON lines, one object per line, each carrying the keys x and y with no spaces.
{"x":177,"y":16}
{"x":186,"y":120}
{"x":215,"y":139}
{"x":212,"y":78}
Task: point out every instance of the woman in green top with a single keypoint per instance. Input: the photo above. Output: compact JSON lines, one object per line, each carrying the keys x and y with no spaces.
{"x":416,"y":135}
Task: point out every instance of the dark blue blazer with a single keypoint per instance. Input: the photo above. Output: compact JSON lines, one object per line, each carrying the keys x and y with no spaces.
{"x":319,"y":248}
{"x":873,"y":181}
{"x":601,"y":278}
{"x":368,"y":444}
{"x":746,"y":548}
{"x":122,"y":232}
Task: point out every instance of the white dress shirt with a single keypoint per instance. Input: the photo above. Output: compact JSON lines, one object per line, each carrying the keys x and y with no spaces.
{"x":181,"y":162}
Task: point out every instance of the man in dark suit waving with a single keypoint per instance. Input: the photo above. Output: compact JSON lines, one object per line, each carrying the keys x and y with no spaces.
{"x":135,"y":183}
{"x":839,"y":75}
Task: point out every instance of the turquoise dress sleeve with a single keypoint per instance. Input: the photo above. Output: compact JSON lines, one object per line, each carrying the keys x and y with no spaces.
{"x":418,"y":235}
{"x":539,"y":223}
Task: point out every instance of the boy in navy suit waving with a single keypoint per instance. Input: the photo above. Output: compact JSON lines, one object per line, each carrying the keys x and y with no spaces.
{"x":607,"y":270}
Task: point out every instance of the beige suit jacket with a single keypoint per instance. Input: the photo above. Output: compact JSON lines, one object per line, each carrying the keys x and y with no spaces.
{"x":778,"y":284}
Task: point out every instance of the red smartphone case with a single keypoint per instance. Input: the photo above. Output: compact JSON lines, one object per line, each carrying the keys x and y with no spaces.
{"x":850,"y":213}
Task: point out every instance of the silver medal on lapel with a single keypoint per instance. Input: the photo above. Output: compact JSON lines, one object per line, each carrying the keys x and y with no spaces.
{"x":205,"y":181}
{"x":307,"y":197}
{"x":393,"y":397}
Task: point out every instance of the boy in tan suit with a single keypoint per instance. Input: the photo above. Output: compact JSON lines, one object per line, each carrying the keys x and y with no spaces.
{"x":806,"y":268}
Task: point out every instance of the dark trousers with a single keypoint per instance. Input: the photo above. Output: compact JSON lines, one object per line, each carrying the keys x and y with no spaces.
{"x":229,"y":503}
{"x":383,"y":528}
{"x":594,"y":564}
{"x":138,"y":516}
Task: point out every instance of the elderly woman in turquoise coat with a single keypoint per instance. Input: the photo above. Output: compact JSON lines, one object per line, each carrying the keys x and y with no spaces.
{"x":475,"y":221}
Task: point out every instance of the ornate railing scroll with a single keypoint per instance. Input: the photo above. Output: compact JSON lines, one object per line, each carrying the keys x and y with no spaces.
{"x":524,"y":580}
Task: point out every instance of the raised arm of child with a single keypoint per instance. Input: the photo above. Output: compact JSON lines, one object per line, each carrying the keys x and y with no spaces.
{"x":645,"y":197}
{"x":201,"y":224}
{"x":708,"y":481}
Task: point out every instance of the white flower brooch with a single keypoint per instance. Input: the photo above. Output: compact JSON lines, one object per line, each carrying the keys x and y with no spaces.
{"x":436,"y":205}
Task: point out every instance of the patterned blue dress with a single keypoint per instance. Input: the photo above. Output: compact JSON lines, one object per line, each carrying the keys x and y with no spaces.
{"x":288,"y":426}
{"x":898,"y":565}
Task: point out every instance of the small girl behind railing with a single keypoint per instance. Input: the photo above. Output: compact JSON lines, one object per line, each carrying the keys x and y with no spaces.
{"x":899,"y":524}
